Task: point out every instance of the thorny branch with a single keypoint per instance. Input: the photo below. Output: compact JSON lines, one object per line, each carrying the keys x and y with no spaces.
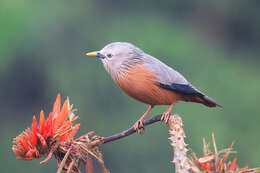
{"x":177,"y":135}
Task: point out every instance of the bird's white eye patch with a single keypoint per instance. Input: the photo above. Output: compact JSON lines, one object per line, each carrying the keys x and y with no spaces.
{"x":109,"y":55}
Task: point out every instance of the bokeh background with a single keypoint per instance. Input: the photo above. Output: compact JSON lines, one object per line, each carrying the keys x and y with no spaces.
{"x":215,"y":44}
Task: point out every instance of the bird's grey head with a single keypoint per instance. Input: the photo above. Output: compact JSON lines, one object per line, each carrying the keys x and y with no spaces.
{"x":117,"y":57}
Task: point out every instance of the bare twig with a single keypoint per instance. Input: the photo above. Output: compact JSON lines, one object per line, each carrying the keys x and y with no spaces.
{"x":127,"y":132}
{"x":62,"y":164}
{"x":50,"y":154}
{"x":70,"y":166}
{"x":89,"y":166}
{"x":215,"y":149}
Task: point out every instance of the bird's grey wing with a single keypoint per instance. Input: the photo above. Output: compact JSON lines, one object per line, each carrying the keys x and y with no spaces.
{"x":169,"y":78}
{"x":164,"y":73}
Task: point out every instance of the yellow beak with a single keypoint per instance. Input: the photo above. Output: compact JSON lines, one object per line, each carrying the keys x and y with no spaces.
{"x":92,"y":53}
{"x":97,"y":54}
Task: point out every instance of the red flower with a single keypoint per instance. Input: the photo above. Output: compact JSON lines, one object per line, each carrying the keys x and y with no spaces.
{"x":37,"y":141}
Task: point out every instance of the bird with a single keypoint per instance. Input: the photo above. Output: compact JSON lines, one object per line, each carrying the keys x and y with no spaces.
{"x":148,"y":80}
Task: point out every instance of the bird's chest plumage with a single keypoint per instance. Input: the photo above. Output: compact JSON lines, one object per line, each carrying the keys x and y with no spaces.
{"x":140,"y":83}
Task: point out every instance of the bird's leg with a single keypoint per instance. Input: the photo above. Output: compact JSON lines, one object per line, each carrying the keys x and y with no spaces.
{"x":166,"y":115}
{"x":139,"y":123}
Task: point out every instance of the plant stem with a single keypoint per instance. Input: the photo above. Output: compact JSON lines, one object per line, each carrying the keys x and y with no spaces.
{"x":129,"y":131}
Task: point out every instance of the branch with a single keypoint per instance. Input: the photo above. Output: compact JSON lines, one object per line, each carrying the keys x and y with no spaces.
{"x":125,"y":133}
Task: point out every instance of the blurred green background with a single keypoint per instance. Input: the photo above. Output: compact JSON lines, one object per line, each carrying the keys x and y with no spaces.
{"x":214,"y":44}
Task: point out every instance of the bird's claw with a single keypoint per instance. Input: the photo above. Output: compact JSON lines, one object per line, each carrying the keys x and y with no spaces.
{"x":165,"y":117}
{"x":139,"y":127}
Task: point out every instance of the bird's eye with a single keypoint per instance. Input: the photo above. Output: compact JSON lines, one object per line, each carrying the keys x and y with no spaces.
{"x":109,"y":55}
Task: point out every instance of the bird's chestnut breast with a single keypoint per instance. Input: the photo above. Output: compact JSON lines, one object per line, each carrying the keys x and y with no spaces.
{"x":139,"y":82}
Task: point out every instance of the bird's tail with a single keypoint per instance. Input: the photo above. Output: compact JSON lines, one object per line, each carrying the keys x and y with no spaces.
{"x":203,"y":99}
{"x":207,"y":101}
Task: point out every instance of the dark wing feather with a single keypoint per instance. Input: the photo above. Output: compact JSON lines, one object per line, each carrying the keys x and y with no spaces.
{"x":182,"y":89}
{"x":190,"y":94}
